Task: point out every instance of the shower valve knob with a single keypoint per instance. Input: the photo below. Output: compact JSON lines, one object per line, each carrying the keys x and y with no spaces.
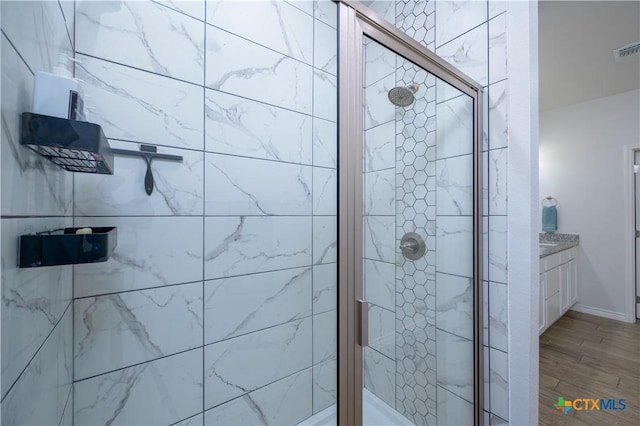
{"x":412,"y":246}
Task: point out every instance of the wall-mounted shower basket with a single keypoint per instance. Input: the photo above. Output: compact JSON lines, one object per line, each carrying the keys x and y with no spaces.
{"x":76,"y":146}
{"x":65,"y":247}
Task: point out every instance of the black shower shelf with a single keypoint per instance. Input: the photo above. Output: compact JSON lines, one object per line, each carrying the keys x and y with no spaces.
{"x":77,"y":146}
{"x":65,"y":247}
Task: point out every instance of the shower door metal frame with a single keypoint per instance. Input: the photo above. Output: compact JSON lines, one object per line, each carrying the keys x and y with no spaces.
{"x":355,"y":21}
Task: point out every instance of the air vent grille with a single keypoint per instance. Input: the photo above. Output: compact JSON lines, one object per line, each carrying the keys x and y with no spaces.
{"x":626,"y":51}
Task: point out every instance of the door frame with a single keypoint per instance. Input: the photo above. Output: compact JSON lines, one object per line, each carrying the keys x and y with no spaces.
{"x":630,"y":240}
{"x":356,"y":20}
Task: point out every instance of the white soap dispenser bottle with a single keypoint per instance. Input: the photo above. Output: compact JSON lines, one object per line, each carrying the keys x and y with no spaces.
{"x":58,"y":94}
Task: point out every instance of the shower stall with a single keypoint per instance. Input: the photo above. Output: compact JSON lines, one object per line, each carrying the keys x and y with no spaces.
{"x":315,"y":257}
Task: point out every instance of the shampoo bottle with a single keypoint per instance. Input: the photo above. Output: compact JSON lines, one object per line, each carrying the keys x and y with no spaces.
{"x":58,"y":94}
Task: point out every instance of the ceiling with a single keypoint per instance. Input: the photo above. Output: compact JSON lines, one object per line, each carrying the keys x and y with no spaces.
{"x":576,"y":43}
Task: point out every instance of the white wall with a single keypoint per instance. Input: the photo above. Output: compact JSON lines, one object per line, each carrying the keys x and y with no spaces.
{"x":582,"y":166}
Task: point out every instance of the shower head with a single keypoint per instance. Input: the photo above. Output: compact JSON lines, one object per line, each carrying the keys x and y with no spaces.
{"x":403,"y":96}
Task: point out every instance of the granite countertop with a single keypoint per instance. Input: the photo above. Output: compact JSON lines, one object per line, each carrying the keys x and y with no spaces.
{"x":560,"y":242}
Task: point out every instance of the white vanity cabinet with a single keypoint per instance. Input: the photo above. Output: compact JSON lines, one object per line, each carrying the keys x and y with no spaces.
{"x":558,"y":286}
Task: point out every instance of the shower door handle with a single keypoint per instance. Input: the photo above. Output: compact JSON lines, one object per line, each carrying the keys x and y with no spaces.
{"x":363,"y":319}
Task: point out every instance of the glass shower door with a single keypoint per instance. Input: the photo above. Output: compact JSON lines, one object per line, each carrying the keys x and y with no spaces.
{"x":418,"y":244}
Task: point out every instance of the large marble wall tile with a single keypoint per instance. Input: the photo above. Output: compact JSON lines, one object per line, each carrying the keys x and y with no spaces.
{"x":325,"y":191}
{"x":142,"y":107}
{"x":498,"y":249}
{"x":455,"y":186}
{"x":380,"y":283}
{"x":275,"y":24}
{"x":455,"y":364}
{"x":379,"y":62}
{"x":285,"y":402}
{"x":193,"y":8}
{"x":379,"y":147}
{"x":325,"y":385}
{"x":325,"y":95}
{"x":31,"y":185}
{"x":159,"y":392}
{"x":498,"y":332}
{"x":498,"y":181}
{"x":445,"y":91}
{"x":325,"y":51}
{"x":453,"y":410}
{"x":33,"y":299}
{"x":40,"y":395}
{"x":379,"y":192}
{"x":454,"y":299}
{"x":325,"y":336}
{"x":231,"y":369}
{"x":380,"y":376}
{"x":37,"y":29}
{"x":382,"y":330}
{"x":379,"y":238}
{"x":458,"y":17}
{"x":498,"y":48}
{"x":485,"y":313}
{"x":151,"y":252}
{"x":157,"y":38}
{"x":377,"y":107}
{"x":499,"y":362}
{"x":326,"y":11}
{"x":485,"y":248}
{"x":246,"y":186}
{"x":240,"y":305}
{"x":325,"y":239}
{"x":325,"y":287}
{"x":247,"y":128}
{"x":469,"y":53}
{"x":325,"y":143}
{"x":454,"y":120}
{"x":240,"y":67}
{"x":122,"y":329}
{"x":455,"y":245}
{"x":498,"y":115}
{"x":177,"y":186}
{"x":243,"y":245}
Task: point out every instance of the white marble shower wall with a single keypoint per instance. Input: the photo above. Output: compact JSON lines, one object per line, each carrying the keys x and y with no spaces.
{"x":219,"y":303}
{"x":37,"y":325}
{"x":379,"y":220}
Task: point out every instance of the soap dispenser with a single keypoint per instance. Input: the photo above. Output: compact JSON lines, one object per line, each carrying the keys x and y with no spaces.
{"x":58,"y":94}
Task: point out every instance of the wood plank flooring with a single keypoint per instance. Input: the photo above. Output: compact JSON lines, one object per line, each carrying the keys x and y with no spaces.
{"x":584,"y":356}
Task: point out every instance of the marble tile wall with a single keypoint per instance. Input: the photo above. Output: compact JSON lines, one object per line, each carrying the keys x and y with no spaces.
{"x":472,"y":36}
{"x":37,"y":313}
{"x":219,"y":303}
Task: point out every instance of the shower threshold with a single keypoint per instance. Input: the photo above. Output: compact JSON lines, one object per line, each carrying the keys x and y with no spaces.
{"x":375,"y":413}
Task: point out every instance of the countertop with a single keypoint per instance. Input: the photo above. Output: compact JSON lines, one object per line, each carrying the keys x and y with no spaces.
{"x":560,"y":243}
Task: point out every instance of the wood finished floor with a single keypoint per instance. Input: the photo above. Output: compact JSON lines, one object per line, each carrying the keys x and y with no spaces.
{"x":584,"y":356}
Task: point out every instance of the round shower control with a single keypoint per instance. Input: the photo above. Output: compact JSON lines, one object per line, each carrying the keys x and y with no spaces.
{"x":412,"y":246}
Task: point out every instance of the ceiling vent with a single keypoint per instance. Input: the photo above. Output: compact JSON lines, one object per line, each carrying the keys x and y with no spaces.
{"x":626,"y":51}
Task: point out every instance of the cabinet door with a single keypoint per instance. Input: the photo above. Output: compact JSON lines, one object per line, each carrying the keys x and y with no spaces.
{"x":573,"y":282}
{"x":542,"y":321}
{"x":565,"y":287}
{"x":552,"y":306}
